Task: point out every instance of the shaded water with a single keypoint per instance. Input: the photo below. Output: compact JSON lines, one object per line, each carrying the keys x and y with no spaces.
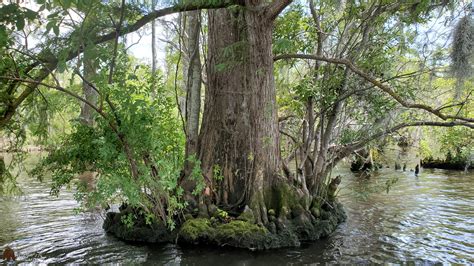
{"x":424,"y":219}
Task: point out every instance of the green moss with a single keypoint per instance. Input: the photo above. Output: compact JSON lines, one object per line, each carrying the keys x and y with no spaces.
{"x":285,"y":198}
{"x":305,"y":201}
{"x":198,"y":229}
{"x":247,"y":215}
{"x":316,"y":212}
{"x":235,"y":233}
{"x":271,"y":212}
{"x":241,"y":234}
{"x":238,"y":230}
{"x":316,"y":203}
{"x":284,"y":212}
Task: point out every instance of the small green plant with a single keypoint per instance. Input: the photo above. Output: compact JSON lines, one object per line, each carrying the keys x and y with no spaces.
{"x":149,"y":218}
{"x":222,"y":214}
{"x":196,"y":175}
{"x":128,"y":220}
{"x":250,"y":157}
{"x":217,"y":173}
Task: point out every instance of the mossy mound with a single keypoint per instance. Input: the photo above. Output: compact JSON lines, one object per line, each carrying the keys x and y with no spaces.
{"x":236,"y":233}
{"x":278,"y":233}
{"x":139,"y":232}
{"x":195,"y":231}
{"x":290,"y":224}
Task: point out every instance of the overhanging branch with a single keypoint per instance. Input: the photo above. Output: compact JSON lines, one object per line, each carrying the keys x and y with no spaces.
{"x":344,"y":151}
{"x":275,"y":8}
{"x":52,"y":62}
{"x":376,"y":83}
{"x":61,"y":89}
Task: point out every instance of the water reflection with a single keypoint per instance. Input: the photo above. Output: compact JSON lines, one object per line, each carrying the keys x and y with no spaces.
{"x":424,"y":219}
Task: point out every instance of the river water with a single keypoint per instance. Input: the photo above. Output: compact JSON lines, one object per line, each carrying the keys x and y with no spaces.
{"x":425,"y":219}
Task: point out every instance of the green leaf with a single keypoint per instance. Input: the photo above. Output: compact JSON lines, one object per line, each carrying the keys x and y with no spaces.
{"x":3,"y":36}
{"x":221,"y":67}
{"x":20,"y":24}
{"x":49,"y":26}
{"x":61,"y":66}
{"x":67,"y":3}
{"x":56,"y":30}
{"x":30,"y":14}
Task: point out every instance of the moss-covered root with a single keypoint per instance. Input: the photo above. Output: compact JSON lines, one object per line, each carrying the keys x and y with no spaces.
{"x":237,"y":233}
{"x":284,"y":231}
{"x":196,"y":231}
{"x":292,"y":219}
{"x":241,"y":234}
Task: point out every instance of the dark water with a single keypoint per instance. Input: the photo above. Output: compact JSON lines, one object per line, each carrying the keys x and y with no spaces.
{"x":425,"y":219}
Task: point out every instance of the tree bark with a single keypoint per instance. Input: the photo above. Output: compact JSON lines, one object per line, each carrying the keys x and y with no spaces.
{"x":87,"y":113}
{"x":239,"y":136}
{"x":193,"y":81}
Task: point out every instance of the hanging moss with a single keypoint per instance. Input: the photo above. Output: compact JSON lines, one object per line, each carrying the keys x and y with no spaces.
{"x":463,"y":47}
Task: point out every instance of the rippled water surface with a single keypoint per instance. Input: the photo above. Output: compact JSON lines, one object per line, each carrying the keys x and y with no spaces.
{"x":424,"y":219}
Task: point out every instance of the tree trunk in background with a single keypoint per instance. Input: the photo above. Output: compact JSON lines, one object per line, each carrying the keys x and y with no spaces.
{"x":239,"y":140}
{"x":87,"y":113}
{"x":192,"y":79}
{"x":153,"y":52}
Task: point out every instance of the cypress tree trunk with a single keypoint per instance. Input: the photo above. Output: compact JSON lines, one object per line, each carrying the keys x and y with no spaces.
{"x":239,"y":148}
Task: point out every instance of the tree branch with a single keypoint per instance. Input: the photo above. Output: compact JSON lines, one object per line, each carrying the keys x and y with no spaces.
{"x":117,"y":35}
{"x":72,"y":53}
{"x":344,"y":151}
{"x":375,"y":82}
{"x":59,"y":88}
{"x":275,"y":8}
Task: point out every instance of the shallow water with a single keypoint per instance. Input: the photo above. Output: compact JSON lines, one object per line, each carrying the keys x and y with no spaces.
{"x":425,"y":219}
